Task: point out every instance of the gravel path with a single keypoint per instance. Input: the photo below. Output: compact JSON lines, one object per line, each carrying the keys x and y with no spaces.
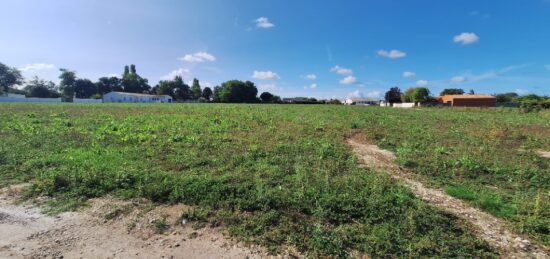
{"x":491,"y":229}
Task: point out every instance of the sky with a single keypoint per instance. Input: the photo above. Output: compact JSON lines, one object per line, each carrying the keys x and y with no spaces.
{"x":323,"y":49}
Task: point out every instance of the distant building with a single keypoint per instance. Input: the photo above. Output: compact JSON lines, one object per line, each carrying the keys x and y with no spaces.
{"x":9,"y":95}
{"x":362,"y":101}
{"x":295,"y":100}
{"x":122,"y":97}
{"x":468,"y":100}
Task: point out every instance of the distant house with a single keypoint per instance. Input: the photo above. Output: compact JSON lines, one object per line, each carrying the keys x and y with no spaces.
{"x":362,"y":101}
{"x":122,"y":97}
{"x":10,"y":95}
{"x":468,"y":100}
{"x":294,"y":100}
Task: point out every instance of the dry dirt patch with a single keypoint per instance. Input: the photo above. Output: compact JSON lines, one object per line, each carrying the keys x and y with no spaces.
{"x":543,"y":154}
{"x":97,"y":232}
{"x":491,"y":229}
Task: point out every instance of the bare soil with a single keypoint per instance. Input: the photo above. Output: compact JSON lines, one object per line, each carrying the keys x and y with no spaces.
{"x":109,"y":228}
{"x":544,"y":154}
{"x":493,"y":230}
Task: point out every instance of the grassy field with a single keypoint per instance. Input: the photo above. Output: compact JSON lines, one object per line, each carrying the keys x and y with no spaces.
{"x":282,"y":175}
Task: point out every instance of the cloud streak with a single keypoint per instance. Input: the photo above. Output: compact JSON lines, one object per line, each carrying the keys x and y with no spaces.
{"x":198,"y":57}
{"x":264,"y":23}
{"x":37,"y":67}
{"x":265,"y":75}
{"x":466,"y":38}
{"x":391,"y":54}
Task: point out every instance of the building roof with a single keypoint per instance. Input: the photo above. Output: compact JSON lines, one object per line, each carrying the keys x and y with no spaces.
{"x":363,"y":99}
{"x":139,"y":95}
{"x":468,"y":96}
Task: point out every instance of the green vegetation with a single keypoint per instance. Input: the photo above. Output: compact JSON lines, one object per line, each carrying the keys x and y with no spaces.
{"x":281,"y":175}
{"x":160,"y":224}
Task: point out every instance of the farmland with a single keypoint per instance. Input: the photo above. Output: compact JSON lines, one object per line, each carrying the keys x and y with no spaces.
{"x":283,"y":175}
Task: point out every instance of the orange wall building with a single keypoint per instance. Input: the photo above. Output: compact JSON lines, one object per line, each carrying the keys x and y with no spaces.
{"x":469,"y":100}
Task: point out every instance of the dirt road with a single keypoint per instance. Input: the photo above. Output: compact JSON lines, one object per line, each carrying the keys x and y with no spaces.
{"x":491,"y":229}
{"x":108,"y":229}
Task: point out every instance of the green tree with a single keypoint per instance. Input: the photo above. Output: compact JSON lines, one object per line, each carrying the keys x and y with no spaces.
{"x":393,"y":95}
{"x":236,"y":91}
{"x":216,"y":94}
{"x":416,"y":95}
{"x":108,"y":84}
{"x":506,"y":97}
{"x":84,"y":88}
{"x":452,"y":91}
{"x":196,"y":89}
{"x":9,"y":77}
{"x":164,"y":88}
{"x":207,"y":93}
{"x":266,"y":97}
{"x":132,"y":82}
{"x":67,"y":82}
{"x":41,"y":88}
{"x":181,"y":90}
{"x":421,"y":94}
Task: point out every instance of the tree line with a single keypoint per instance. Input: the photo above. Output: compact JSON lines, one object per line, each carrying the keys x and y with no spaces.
{"x":422,"y":95}
{"x":71,"y":86}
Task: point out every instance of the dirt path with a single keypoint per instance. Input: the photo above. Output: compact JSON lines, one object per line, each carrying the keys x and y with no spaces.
{"x":109,"y":229}
{"x":491,"y":229}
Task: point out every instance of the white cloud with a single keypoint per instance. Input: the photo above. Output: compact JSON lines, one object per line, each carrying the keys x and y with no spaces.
{"x":178,"y":72}
{"x":348,"y":80}
{"x":458,"y":79}
{"x":313,"y":86}
{"x":466,"y":38}
{"x":265,"y":75}
{"x":198,"y":57}
{"x":409,"y":74}
{"x":36,"y":67}
{"x":547,"y":67}
{"x":310,"y":77}
{"x":422,"y":83}
{"x":264,"y":23}
{"x":393,"y":54}
{"x":342,"y":71}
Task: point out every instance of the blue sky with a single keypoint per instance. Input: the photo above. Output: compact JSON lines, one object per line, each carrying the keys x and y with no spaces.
{"x":325,"y":49}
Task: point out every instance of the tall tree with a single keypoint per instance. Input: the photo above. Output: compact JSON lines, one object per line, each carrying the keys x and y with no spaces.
{"x":393,"y":95}
{"x":84,"y":88}
{"x":236,"y":91}
{"x":266,"y":97}
{"x":67,"y":82}
{"x":182,"y":91}
{"x":165,"y":88}
{"x":108,"y":84}
{"x":416,"y":95}
{"x":452,"y":91}
{"x":216,"y":94}
{"x":195,"y":89}
{"x":9,"y":77}
{"x":41,"y":88}
{"x":506,"y":97}
{"x":132,"y":82}
{"x":207,"y":93}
